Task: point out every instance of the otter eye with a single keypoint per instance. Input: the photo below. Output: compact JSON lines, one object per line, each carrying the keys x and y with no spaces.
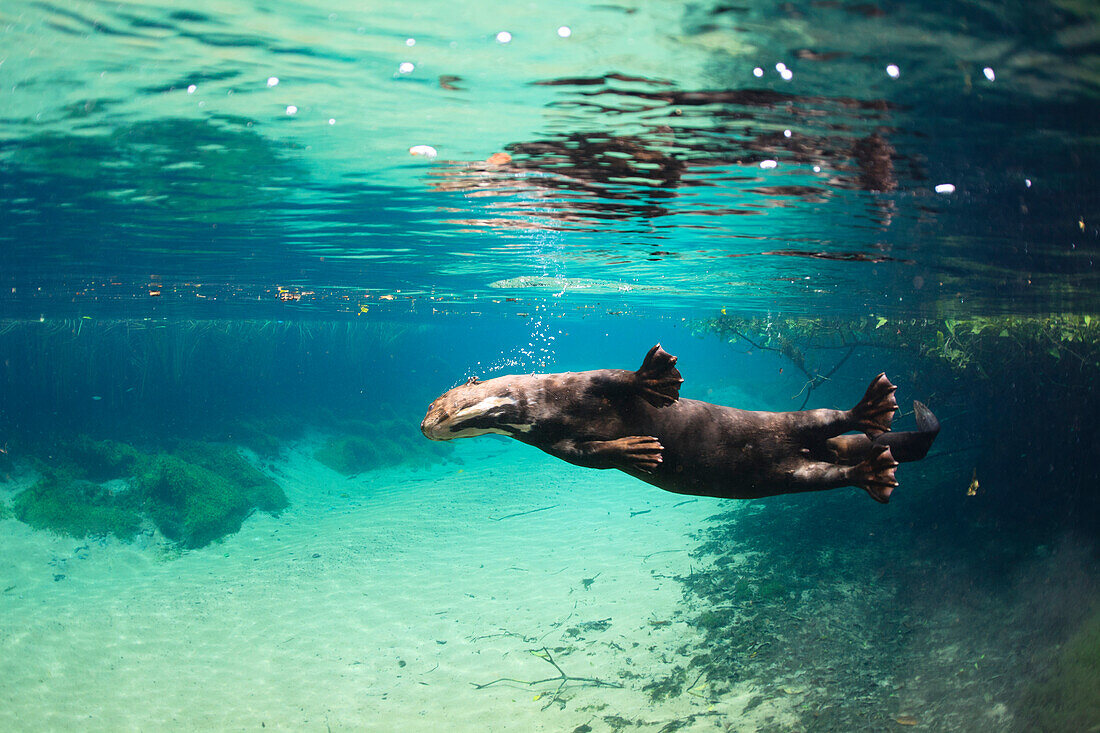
{"x":473,"y":380}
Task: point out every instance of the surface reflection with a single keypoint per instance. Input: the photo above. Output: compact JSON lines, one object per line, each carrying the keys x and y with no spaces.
{"x":750,"y":143}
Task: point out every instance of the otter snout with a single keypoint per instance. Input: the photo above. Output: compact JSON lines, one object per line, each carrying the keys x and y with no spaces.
{"x":431,"y":424}
{"x":466,"y":411}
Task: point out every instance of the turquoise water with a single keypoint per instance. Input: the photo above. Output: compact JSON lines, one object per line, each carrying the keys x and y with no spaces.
{"x":244,"y":245}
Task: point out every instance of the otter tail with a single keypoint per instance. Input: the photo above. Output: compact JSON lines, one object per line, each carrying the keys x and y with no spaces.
{"x":913,"y":445}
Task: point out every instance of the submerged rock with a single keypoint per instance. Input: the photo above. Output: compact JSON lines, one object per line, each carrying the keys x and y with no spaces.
{"x":196,"y":504}
{"x":195,"y":493}
{"x":63,"y":503}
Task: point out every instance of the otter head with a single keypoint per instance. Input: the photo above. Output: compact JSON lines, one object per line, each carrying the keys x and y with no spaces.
{"x":476,"y":408}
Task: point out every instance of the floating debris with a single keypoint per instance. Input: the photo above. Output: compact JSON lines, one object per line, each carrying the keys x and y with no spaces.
{"x":571,"y":283}
{"x":425,"y":151}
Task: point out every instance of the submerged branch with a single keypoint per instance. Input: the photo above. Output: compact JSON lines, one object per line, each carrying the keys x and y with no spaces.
{"x":562,"y":678}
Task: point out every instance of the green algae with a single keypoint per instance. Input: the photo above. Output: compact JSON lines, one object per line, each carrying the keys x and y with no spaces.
{"x":190,"y":504}
{"x":76,"y":507}
{"x":70,"y":497}
{"x":264,"y":435}
{"x":103,"y":460}
{"x":671,"y":685}
{"x":223,"y":460}
{"x":87,"y":459}
{"x":711,"y":621}
{"x":201,"y":492}
{"x":195,"y":493}
{"x":257,"y":437}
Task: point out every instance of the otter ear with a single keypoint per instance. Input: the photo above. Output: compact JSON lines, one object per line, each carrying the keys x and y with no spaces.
{"x":658,"y":379}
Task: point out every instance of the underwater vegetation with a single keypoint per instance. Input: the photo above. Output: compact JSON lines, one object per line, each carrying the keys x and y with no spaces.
{"x":265,"y":435}
{"x":195,"y":493}
{"x":988,"y":347}
{"x":350,"y":454}
{"x":202,"y":492}
{"x":147,"y":383}
{"x":69,"y":505}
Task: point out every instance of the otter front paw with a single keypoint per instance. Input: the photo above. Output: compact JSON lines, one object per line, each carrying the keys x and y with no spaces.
{"x":640,"y":452}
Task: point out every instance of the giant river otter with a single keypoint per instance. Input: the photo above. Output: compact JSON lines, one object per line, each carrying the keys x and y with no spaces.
{"x":637,"y":422}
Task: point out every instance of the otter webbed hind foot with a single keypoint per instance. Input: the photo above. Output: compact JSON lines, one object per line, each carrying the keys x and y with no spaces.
{"x":876,"y":474}
{"x":874,"y":413}
{"x":658,"y":379}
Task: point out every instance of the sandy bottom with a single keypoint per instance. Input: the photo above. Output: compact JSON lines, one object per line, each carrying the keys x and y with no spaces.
{"x":374,"y":603}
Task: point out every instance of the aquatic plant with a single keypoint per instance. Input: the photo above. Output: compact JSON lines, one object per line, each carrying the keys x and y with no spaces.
{"x":224,"y":461}
{"x":265,"y":435}
{"x":796,"y":604}
{"x":711,"y":621}
{"x":101,"y":460}
{"x":669,"y":686}
{"x":70,"y":497}
{"x":978,"y":345}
